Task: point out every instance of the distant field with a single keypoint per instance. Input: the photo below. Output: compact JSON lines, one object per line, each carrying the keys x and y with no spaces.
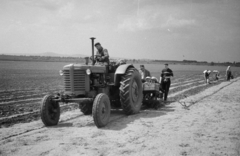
{"x":23,"y":84}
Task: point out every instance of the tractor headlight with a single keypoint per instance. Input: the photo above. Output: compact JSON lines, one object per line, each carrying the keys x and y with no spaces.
{"x":88,"y":71}
{"x":61,"y":72}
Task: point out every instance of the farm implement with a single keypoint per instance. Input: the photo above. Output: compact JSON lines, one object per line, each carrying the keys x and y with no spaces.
{"x":98,"y":88}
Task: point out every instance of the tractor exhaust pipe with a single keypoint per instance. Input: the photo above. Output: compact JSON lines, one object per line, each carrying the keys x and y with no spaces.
{"x":92,"y":38}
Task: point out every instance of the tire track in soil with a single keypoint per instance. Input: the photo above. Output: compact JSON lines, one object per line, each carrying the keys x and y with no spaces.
{"x":114,"y":117}
{"x":2,"y":92}
{"x":35,"y":95}
{"x":40,"y":127}
{"x":186,"y":84}
{"x":183,"y":78}
{"x":184,"y":90}
{"x":171,"y":95}
{"x":202,"y":98}
{"x":186,"y":81}
{"x":17,"y":102}
{"x":23,"y":93}
{"x":190,"y":80}
{"x":12,"y":117}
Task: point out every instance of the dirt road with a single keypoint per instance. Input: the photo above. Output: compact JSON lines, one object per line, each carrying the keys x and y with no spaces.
{"x":208,"y":124}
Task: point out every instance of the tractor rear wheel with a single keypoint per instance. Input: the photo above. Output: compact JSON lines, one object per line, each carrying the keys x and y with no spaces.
{"x":101,"y":110}
{"x":86,"y":107}
{"x":131,"y":94}
{"x":50,"y":111}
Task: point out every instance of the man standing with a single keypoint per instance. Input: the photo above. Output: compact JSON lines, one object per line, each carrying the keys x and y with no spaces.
{"x":165,"y":80}
{"x":102,"y":54}
{"x":228,"y":73}
{"x":144,"y":73}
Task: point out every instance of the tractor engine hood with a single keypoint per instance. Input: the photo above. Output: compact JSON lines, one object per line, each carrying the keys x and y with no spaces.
{"x":94,"y":69}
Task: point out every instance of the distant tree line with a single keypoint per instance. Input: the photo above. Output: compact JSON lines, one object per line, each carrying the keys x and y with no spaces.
{"x":193,"y":61}
{"x":4,"y":57}
{"x":40,"y":58}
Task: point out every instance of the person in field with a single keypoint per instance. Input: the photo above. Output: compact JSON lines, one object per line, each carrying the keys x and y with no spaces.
{"x":165,"y":80}
{"x":206,"y":76}
{"x":217,"y":75}
{"x":102,"y":55}
{"x":144,"y":73}
{"x":228,"y":73}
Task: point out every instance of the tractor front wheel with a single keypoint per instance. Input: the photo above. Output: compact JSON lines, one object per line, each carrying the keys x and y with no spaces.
{"x":50,"y":111}
{"x":101,"y":110}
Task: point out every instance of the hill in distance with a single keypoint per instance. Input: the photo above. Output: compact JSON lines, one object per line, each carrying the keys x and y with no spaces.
{"x":51,"y":54}
{"x":48,"y":54}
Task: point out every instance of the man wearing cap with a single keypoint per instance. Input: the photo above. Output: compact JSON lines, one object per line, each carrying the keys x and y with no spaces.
{"x":165,"y":80}
{"x":144,"y":73}
{"x":102,"y":54}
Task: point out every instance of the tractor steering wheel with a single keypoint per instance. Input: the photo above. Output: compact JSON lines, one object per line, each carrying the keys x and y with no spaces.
{"x":97,"y":57}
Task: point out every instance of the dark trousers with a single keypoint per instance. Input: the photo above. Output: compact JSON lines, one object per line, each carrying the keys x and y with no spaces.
{"x":228,"y":76}
{"x":166,"y":86}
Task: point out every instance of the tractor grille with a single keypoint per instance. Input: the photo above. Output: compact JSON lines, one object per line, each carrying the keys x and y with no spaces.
{"x":74,"y":81}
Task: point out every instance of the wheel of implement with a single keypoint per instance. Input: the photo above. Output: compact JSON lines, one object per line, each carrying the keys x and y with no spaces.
{"x":131,"y":93}
{"x":101,"y":110}
{"x":50,"y":111}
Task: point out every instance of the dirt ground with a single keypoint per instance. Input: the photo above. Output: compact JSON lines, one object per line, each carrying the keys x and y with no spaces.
{"x":207,"y":124}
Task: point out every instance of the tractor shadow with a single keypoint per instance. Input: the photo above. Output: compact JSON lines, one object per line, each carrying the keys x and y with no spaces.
{"x":119,"y":120}
{"x":67,"y":124}
{"x":80,"y":120}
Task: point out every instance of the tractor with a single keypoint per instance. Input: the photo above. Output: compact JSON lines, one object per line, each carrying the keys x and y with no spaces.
{"x":97,"y":88}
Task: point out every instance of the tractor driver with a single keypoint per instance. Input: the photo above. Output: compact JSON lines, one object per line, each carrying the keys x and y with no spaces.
{"x":102,"y":54}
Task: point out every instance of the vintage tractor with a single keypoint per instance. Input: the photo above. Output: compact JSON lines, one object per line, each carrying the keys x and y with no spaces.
{"x":96,"y":88}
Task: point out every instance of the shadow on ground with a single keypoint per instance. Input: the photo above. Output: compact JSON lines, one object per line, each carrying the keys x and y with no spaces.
{"x":120,"y":121}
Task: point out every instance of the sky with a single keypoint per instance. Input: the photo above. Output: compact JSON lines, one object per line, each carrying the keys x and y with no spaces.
{"x":202,"y":30}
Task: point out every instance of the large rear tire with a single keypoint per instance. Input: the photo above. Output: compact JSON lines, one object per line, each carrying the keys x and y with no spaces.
{"x":101,"y":110}
{"x":131,"y":93}
{"x":50,"y":111}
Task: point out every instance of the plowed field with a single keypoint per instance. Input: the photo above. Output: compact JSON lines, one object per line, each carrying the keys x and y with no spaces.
{"x":23,"y":84}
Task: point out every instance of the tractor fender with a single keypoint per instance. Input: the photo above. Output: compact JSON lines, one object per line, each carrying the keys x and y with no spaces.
{"x":120,"y":71}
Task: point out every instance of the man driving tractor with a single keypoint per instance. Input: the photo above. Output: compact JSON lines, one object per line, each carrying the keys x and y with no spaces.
{"x":101,"y":55}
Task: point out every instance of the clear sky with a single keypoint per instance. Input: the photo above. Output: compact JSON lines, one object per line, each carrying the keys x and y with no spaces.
{"x":202,"y":30}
